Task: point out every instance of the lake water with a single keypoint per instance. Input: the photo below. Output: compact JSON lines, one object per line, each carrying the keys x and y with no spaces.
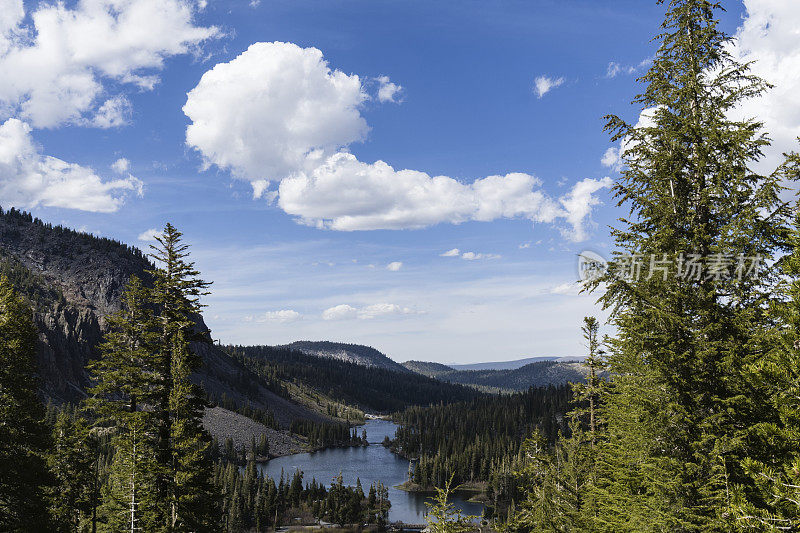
{"x":371,"y":464}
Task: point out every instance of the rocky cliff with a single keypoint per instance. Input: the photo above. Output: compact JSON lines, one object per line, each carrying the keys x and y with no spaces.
{"x":74,"y":281}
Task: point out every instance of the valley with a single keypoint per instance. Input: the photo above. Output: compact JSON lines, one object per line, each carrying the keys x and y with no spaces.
{"x":301,"y":405}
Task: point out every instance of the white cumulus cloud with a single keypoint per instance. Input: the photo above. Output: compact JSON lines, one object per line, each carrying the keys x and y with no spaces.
{"x":469,"y":256}
{"x":544,"y":84}
{"x":63,"y":58}
{"x":345,"y":194}
{"x":273,"y":110}
{"x":29,"y":179}
{"x":388,"y":91}
{"x":770,"y":37}
{"x":476,"y":256}
{"x":278,"y":112}
{"x":121,"y":165}
{"x":394,"y":266}
{"x":340,"y":312}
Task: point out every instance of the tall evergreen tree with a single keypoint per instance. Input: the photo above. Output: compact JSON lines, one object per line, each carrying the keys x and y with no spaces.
{"x":588,"y":393}
{"x":685,"y":290}
{"x":71,"y":461}
{"x":775,"y":504}
{"x":161,"y":475}
{"x":127,"y":388}
{"x":23,"y":435}
{"x":183,"y":444}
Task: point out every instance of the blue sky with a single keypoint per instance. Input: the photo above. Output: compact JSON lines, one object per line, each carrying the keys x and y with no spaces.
{"x":336,"y":246}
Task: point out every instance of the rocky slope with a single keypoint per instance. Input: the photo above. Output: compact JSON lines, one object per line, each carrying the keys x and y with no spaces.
{"x":223,"y":424}
{"x":74,"y":281}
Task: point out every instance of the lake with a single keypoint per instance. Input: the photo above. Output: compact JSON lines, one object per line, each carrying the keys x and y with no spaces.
{"x":371,"y":464}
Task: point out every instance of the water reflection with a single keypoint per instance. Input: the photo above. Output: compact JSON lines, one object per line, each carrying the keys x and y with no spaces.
{"x":370,"y":464}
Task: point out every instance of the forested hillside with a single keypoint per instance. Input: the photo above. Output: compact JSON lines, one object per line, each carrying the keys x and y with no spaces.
{"x":479,"y":442}
{"x":352,"y":353}
{"x":539,"y":374}
{"x":371,"y":388}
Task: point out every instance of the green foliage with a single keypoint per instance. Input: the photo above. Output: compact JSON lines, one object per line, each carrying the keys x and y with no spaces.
{"x":327,"y":435}
{"x":376,"y":389}
{"x":160,"y":478}
{"x":775,"y":501}
{"x":683,"y":394}
{"x":558,"y":484}
{"x":445,"y":517}
{"x":479,"y":441}
{"x":28,"y":284}
{"x":23,"y":435}
{"x":71,"y":460}
{"x":253,"y":501}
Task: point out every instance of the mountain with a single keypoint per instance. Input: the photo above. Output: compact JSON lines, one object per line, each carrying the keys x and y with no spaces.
{"x":353,"y":353}
{"x":511,"y":365}
{"x":536,"y":374}
{"x":74,"y":281}
{"x":371,"y":388}
{"x":428,"y":368}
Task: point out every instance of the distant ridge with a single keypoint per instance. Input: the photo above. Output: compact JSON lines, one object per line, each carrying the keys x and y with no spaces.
{"x":516,"y":363}
{"x":353,"y":353}
{"x":428,"y":368}
{"x":536,"y":374}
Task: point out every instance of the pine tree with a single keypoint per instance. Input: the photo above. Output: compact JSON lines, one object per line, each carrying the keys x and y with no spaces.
{"x":559,"y":484}
{"x":681,"y":398}
{"x":590,"y":391}
{"x":127,"y":387}
{"x":23,"y":436}
{"x":183,"y":444}
{"x":775,"y":502}
{"x":71,"y":461}
{"x":443,"y":516}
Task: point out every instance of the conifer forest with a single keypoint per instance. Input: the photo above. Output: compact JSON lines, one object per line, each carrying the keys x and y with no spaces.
{"x":661,"y":386}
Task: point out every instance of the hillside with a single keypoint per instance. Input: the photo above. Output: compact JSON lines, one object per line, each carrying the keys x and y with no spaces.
{"x":503,"y":365}
{"x":351,"y":353}
{"x":73,"y":281}
{"x":428,"y":368}
{"x":538,"y":374}
{"x":372,"y":389}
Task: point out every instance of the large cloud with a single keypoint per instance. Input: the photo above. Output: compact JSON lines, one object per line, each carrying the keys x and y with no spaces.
{"x":53,"y":70}
{"x":278,"y":112}
{"x":273,"y":110}
{"x":345,"y":194}
{"x":770,"y":37}
{"x":29,"y":179}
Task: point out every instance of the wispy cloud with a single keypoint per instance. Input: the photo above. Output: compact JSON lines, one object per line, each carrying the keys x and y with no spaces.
{"x":348,"y":312}
{"x":615,"y":69}
{"x":149,"y":235}
{"x":544,"y":84}
{"x":468,"y":256}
